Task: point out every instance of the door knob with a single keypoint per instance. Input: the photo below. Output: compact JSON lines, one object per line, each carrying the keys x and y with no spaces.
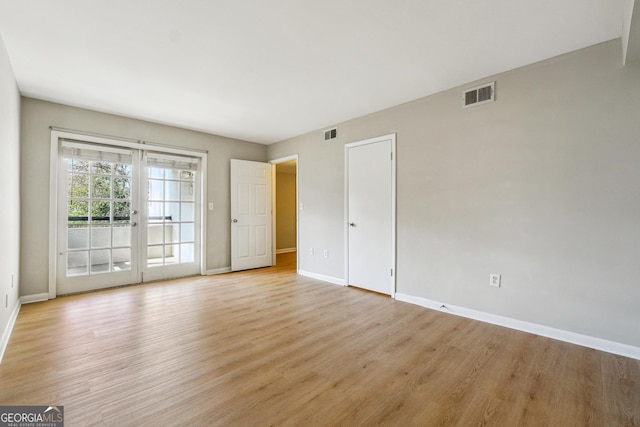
{"x":133,"y":224}
{"x":352,"y":224}
{"x":235,"y":220}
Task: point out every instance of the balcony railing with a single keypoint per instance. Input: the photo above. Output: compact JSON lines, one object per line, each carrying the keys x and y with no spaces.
{"x":116,"y":218}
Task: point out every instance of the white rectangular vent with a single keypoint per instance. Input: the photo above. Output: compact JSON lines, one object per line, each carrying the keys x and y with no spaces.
{"x":330,"y":134}
{"x":479,"y":95}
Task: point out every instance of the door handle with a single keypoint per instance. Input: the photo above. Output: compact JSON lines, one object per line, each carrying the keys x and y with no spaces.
{"x":234,"y":220}
{"x":352,"y":224}
{"x":133,"y":224}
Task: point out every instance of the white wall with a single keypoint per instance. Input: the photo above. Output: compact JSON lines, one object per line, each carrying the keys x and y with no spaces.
{"x":542,"y":186}
{"x":38,"y":115}
{"x":9,"y":193}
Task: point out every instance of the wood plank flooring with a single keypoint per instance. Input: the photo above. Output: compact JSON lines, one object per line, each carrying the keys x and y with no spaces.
{"x":267,"y":347}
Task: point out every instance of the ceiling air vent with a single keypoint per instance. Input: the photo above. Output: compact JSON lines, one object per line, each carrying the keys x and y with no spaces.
{"x":330,"y":134}
{"x":479,"y":95}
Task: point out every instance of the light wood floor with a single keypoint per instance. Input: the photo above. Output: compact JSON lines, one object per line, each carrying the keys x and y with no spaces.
{"x":267,"y":347}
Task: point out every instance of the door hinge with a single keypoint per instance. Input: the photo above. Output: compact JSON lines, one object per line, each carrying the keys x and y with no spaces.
{"x":391,"y":155}
{"x":392,"y":272}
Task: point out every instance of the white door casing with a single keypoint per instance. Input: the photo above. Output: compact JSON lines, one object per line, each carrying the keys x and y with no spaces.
{"x":274,"y":209}
{"x":370,"y":205}
{"x":251,"y":223}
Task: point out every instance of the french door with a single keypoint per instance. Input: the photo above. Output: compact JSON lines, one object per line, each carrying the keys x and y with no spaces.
{"x":125,"y":216}
{"x":171,"y":225}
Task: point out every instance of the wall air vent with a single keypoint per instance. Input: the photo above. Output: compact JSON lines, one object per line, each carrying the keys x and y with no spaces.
{"x":479,"y":95}
{"x":330,"y":134}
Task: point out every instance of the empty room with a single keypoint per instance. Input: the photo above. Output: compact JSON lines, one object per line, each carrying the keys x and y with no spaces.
{"x":337,"y":213}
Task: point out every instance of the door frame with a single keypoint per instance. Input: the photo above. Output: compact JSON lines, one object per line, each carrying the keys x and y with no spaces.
{"x":275,"y":162}
{"x":59,"y":133}
{"x":391,"y":137}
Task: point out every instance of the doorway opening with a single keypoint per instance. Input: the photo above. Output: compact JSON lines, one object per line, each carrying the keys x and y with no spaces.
{"x":285,"y":221}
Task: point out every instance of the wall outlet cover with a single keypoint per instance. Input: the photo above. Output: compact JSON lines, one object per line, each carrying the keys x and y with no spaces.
{"x":494,"y":280}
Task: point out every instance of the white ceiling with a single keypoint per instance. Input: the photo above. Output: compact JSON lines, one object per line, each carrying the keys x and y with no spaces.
{"x":266,"y":70}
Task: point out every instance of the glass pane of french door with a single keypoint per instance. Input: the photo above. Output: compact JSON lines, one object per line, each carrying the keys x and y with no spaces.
{"x":172,"y":231}
{"x":96,"y":197}
{"x":98,"y":217}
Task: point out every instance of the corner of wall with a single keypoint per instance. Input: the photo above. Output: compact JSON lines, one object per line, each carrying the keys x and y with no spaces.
{"x":10,"y":196}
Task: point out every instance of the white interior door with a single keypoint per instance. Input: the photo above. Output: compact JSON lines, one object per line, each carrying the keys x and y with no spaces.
{"x":370,"y":214}
{"x":250,"y":215}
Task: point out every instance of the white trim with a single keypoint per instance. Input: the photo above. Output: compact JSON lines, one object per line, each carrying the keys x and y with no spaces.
{"x":391,"y":137}
{"x":285,"y":250}
{"x":28,"y":299}
{"x":274,"y":213}
{"x":273,"y":194}
{"x":53,"y":212}
{"x":204,"y":212}
{"x":330,"y":279}
{"x":6,"y":334}
{"x":284,"y":159}
{"x":532,"y":328}
{"x":219,"y":271}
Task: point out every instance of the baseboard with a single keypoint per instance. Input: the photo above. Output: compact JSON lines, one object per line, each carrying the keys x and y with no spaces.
{"x":285,"y":251}
{"x":6,"y":334}
{"x":27,"y":299}
{"x":330,"y":279}
{"x":533,"y":328}
{"x":218,"y":271}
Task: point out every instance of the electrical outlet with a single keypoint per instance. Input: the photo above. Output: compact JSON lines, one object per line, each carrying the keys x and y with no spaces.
{"x":210,"y":206}
{"x":311,"y":251}
{"x":326,"y":253}
{"x":494,"y":279}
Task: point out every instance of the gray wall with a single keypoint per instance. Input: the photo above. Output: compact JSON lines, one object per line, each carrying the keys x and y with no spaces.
{"x":9,"y":189}
{"x":541,"y":186}
{"x":38,"y":115}
{"x":286,"y":209}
